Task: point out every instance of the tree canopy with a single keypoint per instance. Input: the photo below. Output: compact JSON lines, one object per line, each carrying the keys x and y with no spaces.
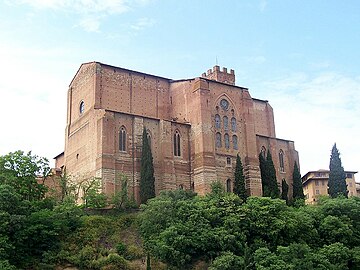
{"x":24,"y":172}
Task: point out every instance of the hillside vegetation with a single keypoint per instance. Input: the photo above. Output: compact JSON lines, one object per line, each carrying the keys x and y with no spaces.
{"x":176,"y":230}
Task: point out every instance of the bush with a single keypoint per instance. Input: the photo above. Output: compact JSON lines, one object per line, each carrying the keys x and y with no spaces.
{"x":121,"y":248}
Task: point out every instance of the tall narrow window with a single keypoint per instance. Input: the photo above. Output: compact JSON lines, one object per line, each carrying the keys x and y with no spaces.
{"x":235,"y":142}
{"x":177,"y":145}
{"x":148,"y":135}
{"x":217,"y":121}
{"x":263,"y":151}
{"x":233,"y":124}
{"x":218,"y":140}
{"x":228,"y":185}
{"x":281,"y":160}
{"x":226,"y":123}
{"x":82,"y":107}
{"x":122,"y":139}
{"x":227,"y":141}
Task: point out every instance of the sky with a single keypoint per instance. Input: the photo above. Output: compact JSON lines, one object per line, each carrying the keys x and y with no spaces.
{"x":302,"y":56}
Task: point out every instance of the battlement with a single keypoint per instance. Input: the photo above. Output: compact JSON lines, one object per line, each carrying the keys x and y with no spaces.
{"x":220,"y":76}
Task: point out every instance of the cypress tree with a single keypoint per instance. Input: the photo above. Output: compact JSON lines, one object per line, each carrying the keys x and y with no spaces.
{"x":337,"y":183}
{"x":268,"y":176}
{"x":271,"y":173}
{"x":264,"y":178}
{"x":284,"y":190}
{"x":239,"y":184}
{"x":147,"y":179}
{"x":298,"y":192}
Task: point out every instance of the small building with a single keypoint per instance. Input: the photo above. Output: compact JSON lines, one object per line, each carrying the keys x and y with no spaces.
{"x":315,"y":184}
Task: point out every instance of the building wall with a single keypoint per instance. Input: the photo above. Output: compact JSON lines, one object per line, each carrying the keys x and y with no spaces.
{"x":290,"y":156}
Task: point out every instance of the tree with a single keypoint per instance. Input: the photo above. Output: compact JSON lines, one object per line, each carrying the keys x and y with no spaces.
{"x":239,"y":185}
{"x":24,"y":172}
{"x":298,"y":192}
{"x":147,"y":179}
{"x":268,"y":176}
{"x":263,"y":173}
{"x":336,"y":184}
{"x":284,"y":190}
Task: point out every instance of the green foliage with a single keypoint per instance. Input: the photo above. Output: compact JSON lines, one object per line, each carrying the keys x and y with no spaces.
{"x":298,"y":193}
{"x":121,"y":199}
{"x":284,"y":190}
{"x":178,"y":227}
{"x":337,"y":183}
{"x":147,"y":179}
{"x":21,"y":171}
{"x":263,"y":233}
{"x":239,"y":183}
{"x":268,"y":176}
{"x":227,"y":261}
{"x":217,"y":188}
{"x":93,"y":196}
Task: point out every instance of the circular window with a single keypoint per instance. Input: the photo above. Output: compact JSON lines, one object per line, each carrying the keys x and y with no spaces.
{"x":82,"y":107}
{"x":224,"y":104}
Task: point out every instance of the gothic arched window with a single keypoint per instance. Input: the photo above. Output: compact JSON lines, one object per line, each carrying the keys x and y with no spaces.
{"x":228,"y":185}
{"x":233,"y":124}
{"x":218,"y":140}
{"x":148,"y":135}
{"x":217,"y":121}
{"x":177,"y":145}
{"x":281,"y":160}
{"x":122,"y":139}
{"x":263,"y":151}
{"x":235,"y":142}
{"x":227,"y":141}
{"x":226,"y":122}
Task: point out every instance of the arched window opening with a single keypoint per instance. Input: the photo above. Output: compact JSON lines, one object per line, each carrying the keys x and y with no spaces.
{"x":148,"y":135}
{"x":281,"y":160}
{"x":177,"y":145}
{"x":227,"y":141}
{"x":233,"y":124}
{"x":226,"y":122}
{"x":235,"y":142}
{"x":218,"y":140}
{"x":263,"y":151}
{"x":217,"y":121}
{"x":181,"y":187}
{"x":228,"y":185}
{"x":228,"y":161}
{"x":82,"y":107}
{"x":122,"y":139}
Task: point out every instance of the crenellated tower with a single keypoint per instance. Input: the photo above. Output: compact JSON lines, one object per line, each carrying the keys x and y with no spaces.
{"x":220,"y":76}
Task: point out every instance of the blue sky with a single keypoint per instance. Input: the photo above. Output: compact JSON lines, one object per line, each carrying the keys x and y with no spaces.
{"x":302,"y":56}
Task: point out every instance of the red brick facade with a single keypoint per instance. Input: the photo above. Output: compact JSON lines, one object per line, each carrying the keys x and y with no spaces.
{"x":104,"y":101}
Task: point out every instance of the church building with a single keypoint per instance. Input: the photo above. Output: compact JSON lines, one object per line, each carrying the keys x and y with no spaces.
{"x":195,"y":126}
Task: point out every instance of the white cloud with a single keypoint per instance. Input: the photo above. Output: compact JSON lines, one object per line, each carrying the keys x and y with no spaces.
{"x":316,"y":112}
{"x":33,"y":94}
{"x":90,"y":24}
{"x":92,"y":12}
{"x":143,"y":23}
{"x":262,"y":5}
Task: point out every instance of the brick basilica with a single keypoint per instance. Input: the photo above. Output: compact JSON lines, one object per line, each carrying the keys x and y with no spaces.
{"x":196,"y":128}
